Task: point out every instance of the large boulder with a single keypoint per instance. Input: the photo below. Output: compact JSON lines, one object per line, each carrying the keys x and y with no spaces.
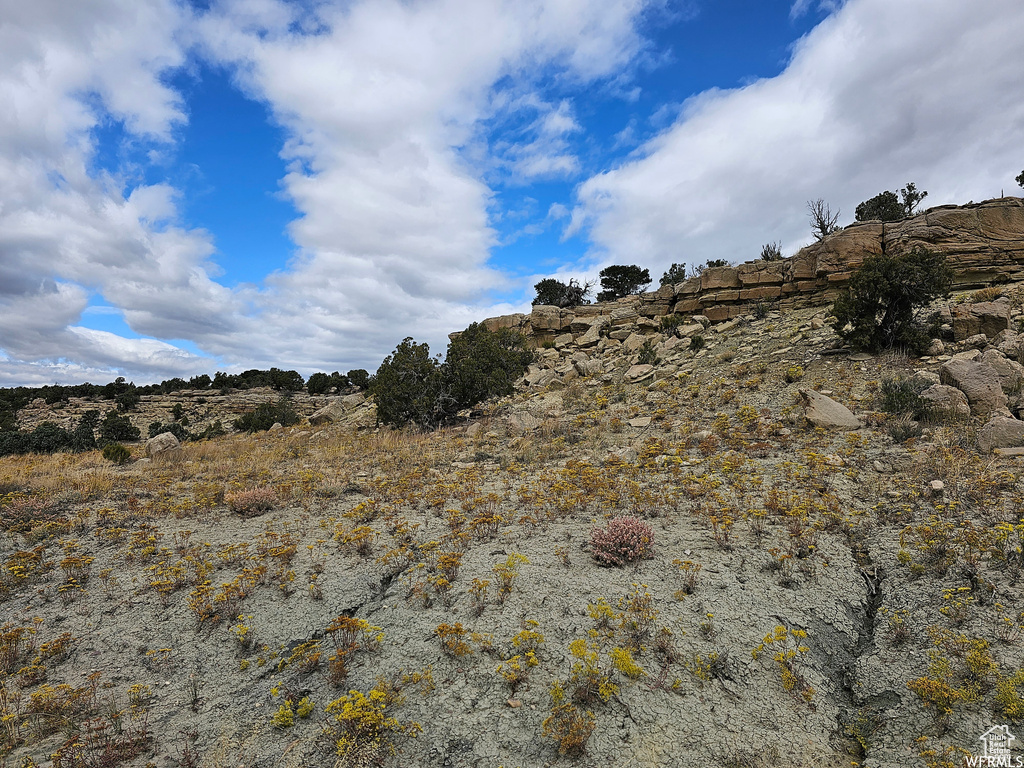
{"x":1010,"y":343}
{"x":1001,"y":432}
{"x":638,"y":373}
{"x":982,"y":240}
{"x":987,"y":317}
{"x":979,"y":381}
{"x":539,"y":378}
{"x":1011,"y":373}
{"x":336,"y":409}
{"x":593,"y":334}
{"x":522,"y":421}
{"x":823,"y":411}
{"x":585,"y":366}
{"x":947,"y":402}
{"x":838,"y":254}
{"x":164,"y":444}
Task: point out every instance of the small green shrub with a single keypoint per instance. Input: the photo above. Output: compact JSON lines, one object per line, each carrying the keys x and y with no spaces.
{"x":411,"y":386}
{"x":116,"y":429}
{"x":555,"y":293}
{"x":116,"y":453}
{"x":267,"y":415}
{"x":771,"y":252}
{"x":902,"y":428}
{"x":216,"y":429}
{"x":670,"y":322}
{"x":697,"y":343}
{"x":900,"y":398}
{"x":877,"y":312}
{"x":674,"y":274}
{"x":647,"y":354}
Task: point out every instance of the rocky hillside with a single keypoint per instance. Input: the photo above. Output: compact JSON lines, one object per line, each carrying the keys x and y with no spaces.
{"x":701,"y":544}
{"x":982,"y":242}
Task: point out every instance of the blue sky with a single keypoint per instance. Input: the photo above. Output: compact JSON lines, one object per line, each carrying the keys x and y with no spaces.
{"x":252,"y":183}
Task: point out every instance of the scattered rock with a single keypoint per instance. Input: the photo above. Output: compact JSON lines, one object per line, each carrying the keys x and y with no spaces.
{"x":639,"y":373}
{"x":936,"y":348}
{"x":987,"y":317}
{"x":336,"y":409}
{"x":978,"y":381}
{"x":641,"y":422}
{"x":822,"y":411}
{"x":593,"y":334}
{"x":1011,"y":373}
{"x":948,"y":402}
{"x":523,"y":421}
{"x":977,"y":341}
{"x":621,"y":455}
{"x":540,"y":378}
{"x":163,"y":443}
{"x":1001,"y":432}
{"x":923,"y":379}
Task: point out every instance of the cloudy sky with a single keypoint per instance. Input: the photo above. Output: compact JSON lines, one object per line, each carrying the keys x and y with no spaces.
{"x":225,"y":184}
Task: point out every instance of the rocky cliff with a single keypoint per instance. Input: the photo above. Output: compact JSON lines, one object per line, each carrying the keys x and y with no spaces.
{"x":984,"y":242}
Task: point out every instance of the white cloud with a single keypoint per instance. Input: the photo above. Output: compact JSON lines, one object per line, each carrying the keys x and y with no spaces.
{"x":878,"y":94}
{"x":66,"y":233}
{"x":383,"y":104}
{"x":395,"y":232}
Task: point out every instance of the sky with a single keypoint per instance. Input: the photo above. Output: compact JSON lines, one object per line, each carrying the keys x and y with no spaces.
{"x":188,"y":187}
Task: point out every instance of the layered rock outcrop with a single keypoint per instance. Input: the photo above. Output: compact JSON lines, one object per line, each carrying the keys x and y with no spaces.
{"x":983,"y":242}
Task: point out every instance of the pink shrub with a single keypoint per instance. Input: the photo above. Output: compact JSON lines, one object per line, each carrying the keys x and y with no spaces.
{"x":252,"y":502}
{"x":624,"y":540}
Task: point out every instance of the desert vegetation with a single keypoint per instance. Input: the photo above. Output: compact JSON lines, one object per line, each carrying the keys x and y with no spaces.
{"x":652,"y":556}
{"x":644,"y":570}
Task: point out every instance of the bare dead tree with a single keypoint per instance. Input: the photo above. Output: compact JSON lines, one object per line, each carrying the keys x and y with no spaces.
{"x":823,"y":221}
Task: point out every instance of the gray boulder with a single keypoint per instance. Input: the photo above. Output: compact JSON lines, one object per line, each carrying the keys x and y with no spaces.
{"x":987,"y":317}
{"x":539,"y":378}
{"x":523,"y":421}
{"x":639,"y":373}
{"x":587,"y":367}
{"x":979,"y":381}
{"x":336,"y":409}
{"x":823,"y":411}
{"x":164,"y":444}
{"x":923,"y":379}
{"x":593,"y":334}
{"x":1001,"y":432}
{"x":947,"y":402}
{"x":1011,"y":373}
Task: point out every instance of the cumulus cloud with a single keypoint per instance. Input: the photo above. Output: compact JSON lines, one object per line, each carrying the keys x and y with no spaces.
{"x":381,"y":103}
{"x":878,"y":94}
{"x":378,"y":104}
{"x":66,"y":231}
